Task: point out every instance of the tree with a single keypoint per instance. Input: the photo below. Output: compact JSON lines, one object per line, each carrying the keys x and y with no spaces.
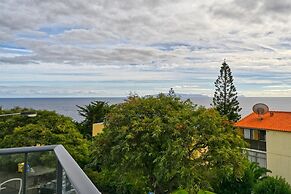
{"x":93,"y":113}
{"x":7,"y":124}
{"x":272,"y":185}
{"x":225,"y":97}
{"x":172,"y":93}
{"x":47,"y":128}
{"x":161,"y":144}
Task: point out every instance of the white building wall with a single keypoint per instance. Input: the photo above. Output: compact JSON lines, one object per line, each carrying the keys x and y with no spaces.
{"x":279,"y":153}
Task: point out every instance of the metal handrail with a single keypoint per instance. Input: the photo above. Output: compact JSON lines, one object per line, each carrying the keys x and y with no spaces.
{"x":253,"y":150}
{"x":80,"y":181}
{"x":23,"y":150}
{"x":77,"y":177}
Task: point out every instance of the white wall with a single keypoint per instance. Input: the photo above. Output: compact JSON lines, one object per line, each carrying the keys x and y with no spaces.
{"x":279,"y":153}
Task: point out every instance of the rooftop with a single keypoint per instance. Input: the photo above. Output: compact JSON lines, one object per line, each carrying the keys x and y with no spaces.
{"x":272,"y":120}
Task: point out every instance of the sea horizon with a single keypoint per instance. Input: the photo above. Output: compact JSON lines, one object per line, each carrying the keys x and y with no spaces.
{"x":68,"y":105}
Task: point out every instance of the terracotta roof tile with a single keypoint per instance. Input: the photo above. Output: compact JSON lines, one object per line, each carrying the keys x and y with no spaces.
{"x":273,"y":120}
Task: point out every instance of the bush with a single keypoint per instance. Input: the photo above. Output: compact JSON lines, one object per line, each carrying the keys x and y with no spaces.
{"x":180,"y":191}
{"x":230,"y":184}
{"x":272,"y":185}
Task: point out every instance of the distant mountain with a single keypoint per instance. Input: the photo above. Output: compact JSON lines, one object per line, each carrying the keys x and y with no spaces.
{"x":186,"y":96}
{"x":192,"y":95}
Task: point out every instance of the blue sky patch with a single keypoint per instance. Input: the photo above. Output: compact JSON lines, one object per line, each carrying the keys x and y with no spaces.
{"x":169,"y":46}
{"x":56,"y":29}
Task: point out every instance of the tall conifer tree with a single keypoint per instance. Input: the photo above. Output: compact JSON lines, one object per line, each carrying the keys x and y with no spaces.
{"x":172,"y":93}
{"x":225,"y":96}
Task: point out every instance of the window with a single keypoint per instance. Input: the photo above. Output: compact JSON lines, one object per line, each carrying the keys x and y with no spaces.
{"x":262,"y":135}
{"x":255,"y":134}
{"x":247,"y":133}
{"x":258,"y":157}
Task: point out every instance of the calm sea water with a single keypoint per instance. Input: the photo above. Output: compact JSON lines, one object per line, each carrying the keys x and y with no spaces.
{"x":67,"y":106}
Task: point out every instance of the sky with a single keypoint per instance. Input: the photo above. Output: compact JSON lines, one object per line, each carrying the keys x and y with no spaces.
{"x":92,"y":48}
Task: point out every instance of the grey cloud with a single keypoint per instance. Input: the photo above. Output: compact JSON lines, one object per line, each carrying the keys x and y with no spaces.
{"x":256,"y":12}
{"x":278,"y":6}
{"x":106,"y":35}
{"x":247,"y":4}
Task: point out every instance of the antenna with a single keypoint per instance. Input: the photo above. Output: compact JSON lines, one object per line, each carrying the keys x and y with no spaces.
{"x":260,"y":109}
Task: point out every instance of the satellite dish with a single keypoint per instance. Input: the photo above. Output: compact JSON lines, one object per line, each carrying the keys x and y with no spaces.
{"x":260,"y":108}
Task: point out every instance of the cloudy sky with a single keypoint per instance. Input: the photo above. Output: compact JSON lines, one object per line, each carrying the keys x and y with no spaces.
{"x":61,"y":48}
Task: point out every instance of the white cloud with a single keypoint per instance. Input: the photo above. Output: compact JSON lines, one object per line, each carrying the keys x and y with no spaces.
{"x":172,"y":43}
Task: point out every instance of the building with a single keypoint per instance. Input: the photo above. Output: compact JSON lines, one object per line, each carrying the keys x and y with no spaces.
{"x":97,"y":128}
{"x":269,"y":136}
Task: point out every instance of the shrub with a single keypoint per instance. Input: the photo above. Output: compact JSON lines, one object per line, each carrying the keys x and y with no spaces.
{"x":272,"y":185}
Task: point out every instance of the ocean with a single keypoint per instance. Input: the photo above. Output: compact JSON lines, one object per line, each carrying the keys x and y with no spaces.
{"x":67,"y":106}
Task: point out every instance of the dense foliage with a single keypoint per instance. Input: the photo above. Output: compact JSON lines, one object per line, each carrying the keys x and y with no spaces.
{"x":93,"y":113}
{"x":225,"y":97}
{"x":47,"y":128}
{"x":161,"y":144}
{"x":272,"y":185}
{"x":242,"y":185}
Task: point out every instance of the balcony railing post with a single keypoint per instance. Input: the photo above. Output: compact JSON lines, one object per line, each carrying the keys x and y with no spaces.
{"x":59,"y":177}
{"x":24,"y":174}
{"x":76,"y":176}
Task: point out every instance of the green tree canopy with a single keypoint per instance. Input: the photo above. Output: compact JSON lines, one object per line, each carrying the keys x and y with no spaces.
{"x":7,"y":124}
{"x":225,"y":97}
{"x":47,"y":128}
{"x":161,"y":144}
{"x":93,"y":113}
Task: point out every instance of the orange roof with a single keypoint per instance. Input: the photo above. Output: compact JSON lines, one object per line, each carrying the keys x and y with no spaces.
{"x":273,"y":120}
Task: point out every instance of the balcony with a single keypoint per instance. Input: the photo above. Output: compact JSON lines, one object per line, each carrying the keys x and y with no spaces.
{"x":256,"y":144}
{"x":257,"y":156}
{"x":42,"y":170}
